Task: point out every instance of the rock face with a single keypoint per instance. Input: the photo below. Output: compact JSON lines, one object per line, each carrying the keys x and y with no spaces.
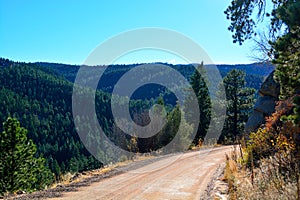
{"x":265,"y":104}
{"x":270,"y":87}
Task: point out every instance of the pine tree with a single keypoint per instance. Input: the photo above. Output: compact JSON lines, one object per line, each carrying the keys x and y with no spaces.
{"x":201,"y":90}
{"x":283,"y":43}
{"x":171,"y":128}
{"x":181,"y":135}
{"x":240,"y":101}
{"x":19,"y":169}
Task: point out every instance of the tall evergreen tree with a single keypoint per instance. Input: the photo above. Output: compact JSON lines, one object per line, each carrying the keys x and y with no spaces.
{"x":240,"y":100}
{"x":19,"y":169}
{"x":201,"y":90}
{"x":284,"y":30}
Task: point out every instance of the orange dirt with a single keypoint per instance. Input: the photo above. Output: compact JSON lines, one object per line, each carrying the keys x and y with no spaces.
{"x":182,"y":176}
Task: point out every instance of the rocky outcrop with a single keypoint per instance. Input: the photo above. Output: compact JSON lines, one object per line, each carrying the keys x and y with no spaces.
{"x":270,"y":87}
{"x":265,"y":104}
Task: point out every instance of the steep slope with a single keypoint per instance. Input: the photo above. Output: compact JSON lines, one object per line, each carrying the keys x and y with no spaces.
{"x":42,"y":103}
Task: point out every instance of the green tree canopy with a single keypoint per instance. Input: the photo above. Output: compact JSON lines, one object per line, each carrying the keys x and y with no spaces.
{"x":284,"y":32}
{"x":19,"y":168}
{"x":201,"y":90}
{"x":240,"y":100}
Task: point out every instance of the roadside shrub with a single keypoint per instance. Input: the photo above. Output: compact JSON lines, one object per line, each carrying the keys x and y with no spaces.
{"x":274,"y":151}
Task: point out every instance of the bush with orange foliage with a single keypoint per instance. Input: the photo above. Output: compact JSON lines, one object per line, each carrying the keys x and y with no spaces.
{"x":280,"y":133}
{"x":277,"y":144}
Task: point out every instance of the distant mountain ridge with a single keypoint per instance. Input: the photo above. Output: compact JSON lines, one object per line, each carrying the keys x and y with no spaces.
{"x":255,"y":72}
{"x":262,"y":69}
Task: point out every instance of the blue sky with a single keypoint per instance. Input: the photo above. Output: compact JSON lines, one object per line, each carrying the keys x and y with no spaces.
{"x":66,"y":31}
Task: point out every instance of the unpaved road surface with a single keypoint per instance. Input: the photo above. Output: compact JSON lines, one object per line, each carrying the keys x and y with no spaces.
{"x":181,"y":176}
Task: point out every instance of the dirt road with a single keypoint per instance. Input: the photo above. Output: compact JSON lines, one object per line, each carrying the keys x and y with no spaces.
{"x":182,"y":176}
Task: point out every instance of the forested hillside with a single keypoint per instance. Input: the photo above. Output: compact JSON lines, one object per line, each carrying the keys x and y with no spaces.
{"x":42,"y":103}
{"x":39,"y":95}
{"x":255,"y":72}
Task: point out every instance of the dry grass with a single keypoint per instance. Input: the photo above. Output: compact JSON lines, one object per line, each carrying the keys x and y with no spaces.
{"x":268,"y":183}
{"x":231,"y":172}
{"x":210,"y":143}
{"x":265,"y":182}
{"x":69,"y":178}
